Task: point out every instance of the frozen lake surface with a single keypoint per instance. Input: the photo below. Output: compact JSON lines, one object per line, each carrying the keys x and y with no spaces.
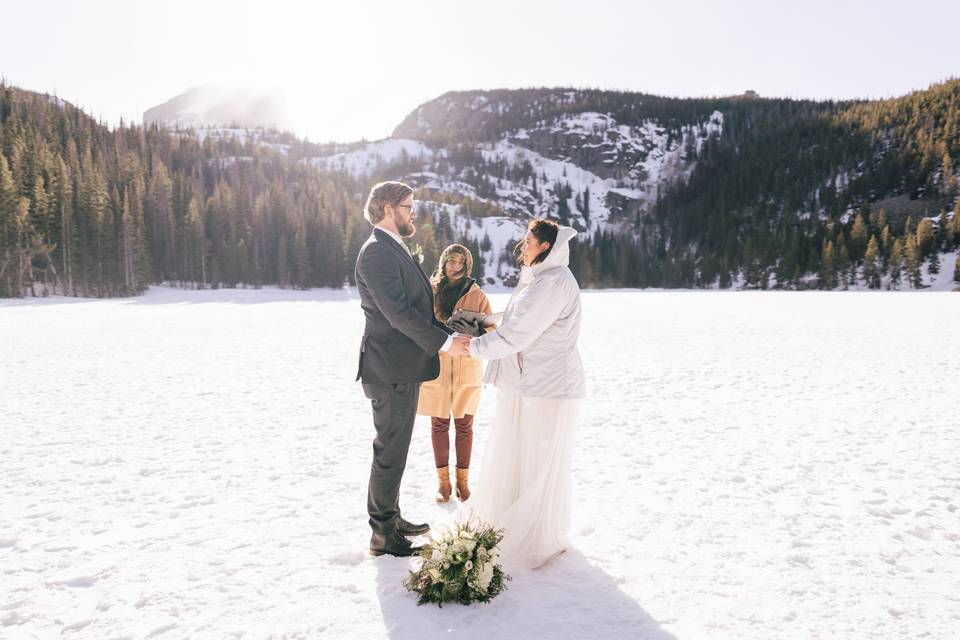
{"x":193,"y":464}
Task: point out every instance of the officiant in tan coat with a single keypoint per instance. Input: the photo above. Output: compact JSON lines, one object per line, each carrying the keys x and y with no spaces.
{"x":456,"y":391}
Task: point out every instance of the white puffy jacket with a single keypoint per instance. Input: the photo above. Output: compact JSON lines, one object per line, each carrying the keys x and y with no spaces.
{"x":533,"y":350}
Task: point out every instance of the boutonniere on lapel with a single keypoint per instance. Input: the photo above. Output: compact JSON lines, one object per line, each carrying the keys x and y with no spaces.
{"x":417,"y":253}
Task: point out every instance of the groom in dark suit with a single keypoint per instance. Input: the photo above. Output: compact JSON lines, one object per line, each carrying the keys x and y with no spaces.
{"x":398,"y":352}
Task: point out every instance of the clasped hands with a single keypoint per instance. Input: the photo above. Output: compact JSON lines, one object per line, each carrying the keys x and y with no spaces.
{"x":460,"y":346}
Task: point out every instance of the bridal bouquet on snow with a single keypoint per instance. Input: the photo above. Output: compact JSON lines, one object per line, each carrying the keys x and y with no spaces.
{"x":461,"y":566}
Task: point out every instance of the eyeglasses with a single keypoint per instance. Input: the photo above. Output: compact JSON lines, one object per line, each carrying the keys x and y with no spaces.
{"x":405,"y":206}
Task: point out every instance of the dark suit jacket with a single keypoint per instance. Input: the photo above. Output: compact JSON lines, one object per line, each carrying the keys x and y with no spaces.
{"x":402,"y":336}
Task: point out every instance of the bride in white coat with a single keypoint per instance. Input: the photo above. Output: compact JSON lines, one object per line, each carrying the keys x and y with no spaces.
{"x":524,"y":484}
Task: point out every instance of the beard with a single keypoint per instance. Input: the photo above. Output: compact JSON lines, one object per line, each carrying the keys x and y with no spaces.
{"x":408,"y":230}
{"x":405,"y":229}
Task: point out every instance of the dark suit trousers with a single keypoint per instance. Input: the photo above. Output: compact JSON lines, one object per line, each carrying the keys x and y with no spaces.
{"x":394,"y":411}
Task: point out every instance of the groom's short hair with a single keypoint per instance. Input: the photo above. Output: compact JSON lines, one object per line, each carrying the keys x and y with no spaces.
{"x":382,"y":194}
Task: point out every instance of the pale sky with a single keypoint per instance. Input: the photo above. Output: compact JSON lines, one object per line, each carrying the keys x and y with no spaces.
{"x":355,"y":68}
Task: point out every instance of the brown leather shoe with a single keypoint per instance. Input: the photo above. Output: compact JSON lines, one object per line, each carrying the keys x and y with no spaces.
{"x":463,"y":489}
{"x":443,"y":493}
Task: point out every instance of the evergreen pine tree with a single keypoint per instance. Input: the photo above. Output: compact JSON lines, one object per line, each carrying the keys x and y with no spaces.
{"x":912,"y":262}
{"x":954,"y":227}
{"x":880,"y":222}
{"x":948,"y":181}
{"x":925,"y":237}
{"x":896,"y":263}
{"x":858,"y":239}
{"x":8,"y":235}
{"x":194,"y":245}
{"x":886,"y":243}
{"x":871,"y":264}
{"x":827,"y":271}
{"x":842,"y":264}
{"x":563,"y":207}
{"x":934,"y":267}
{"x":23,"y":239}
{"x":940,"y":232}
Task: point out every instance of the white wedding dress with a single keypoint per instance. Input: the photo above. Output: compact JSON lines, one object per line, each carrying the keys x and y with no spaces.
{"x":524,"y":482}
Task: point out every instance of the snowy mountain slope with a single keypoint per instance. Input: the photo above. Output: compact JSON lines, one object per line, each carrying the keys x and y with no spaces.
{"x":718,"y":172}
{"x":585,"y":169}
{"x":643,"y":154}
{"x":215,"y":105}
{"x":374,"y":156}
{"x":256,"y":136}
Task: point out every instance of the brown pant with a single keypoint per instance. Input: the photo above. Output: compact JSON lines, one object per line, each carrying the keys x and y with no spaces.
{"x":441,"y":440}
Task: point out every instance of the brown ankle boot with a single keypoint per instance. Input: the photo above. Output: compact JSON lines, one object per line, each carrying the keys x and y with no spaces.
{"x":463,"y":489}
{"x":443,"y":493}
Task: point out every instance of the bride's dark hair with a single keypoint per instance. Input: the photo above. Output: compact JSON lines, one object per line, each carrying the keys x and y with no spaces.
{"x":543,"y":230}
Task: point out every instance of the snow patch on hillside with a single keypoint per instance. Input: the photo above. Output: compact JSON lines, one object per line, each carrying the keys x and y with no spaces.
{"x":376,"y":156}
{"x":259,"y":136}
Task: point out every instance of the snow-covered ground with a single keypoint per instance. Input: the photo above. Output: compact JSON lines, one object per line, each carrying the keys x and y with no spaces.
{"x":193,"y":464}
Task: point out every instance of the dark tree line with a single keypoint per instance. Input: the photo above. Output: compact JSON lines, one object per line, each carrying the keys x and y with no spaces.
{"x":92,"y":212}
{"x":793,"y":194}
{"x":796,"y":189}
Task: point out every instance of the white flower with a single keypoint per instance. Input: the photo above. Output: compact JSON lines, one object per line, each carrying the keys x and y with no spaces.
{"x":486,"y":575}
{"x":465,"y":545}
{"x":468,"y":565}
